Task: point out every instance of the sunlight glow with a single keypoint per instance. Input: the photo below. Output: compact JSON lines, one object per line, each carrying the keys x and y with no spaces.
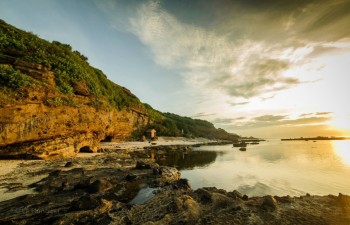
{"x":341,"y":123}
{"x":342,"y":149}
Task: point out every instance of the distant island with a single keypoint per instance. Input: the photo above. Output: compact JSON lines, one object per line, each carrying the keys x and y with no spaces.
{"x":318,"y":138}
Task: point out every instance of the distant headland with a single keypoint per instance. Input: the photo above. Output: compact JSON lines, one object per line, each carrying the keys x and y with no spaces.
{"x":318,"y":138}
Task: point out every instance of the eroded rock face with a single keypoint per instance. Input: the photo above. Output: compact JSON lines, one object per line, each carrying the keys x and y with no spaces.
{"x":42,"y":125}
{"x":42,"y":131}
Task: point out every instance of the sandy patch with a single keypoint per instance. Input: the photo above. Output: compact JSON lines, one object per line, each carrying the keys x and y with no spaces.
{"x":7,"y":166}
{"x":133,"y":145}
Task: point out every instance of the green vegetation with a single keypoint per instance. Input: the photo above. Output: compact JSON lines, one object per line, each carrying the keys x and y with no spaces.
{"x":169,"y":124}
{"x":74,"y":76}
{"x":70,"y":67}
{"x":12,"y":78}
{"x":184,"y":126}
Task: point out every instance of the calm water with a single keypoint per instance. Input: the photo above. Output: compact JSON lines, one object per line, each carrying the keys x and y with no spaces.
{"x":273,"y":167}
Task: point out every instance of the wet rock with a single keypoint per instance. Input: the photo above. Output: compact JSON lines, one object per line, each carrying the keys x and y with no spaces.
{"x":220,"y":200}
{"x":188,"y":208}
{"x":130,"y":177}
{"x":284,"y":199}
{"x":55,"y":173}
{"x":142,"y":165}
{"x":156,"y":171}
{"x":235,"y":194}
{"x":269,"y":202}
{"x":68,"y":164}
{"x":204,"y":195}
{"x":182,"y":184}
{"x":85,"y":203}
{"x":99,"y":185}
{"x":245,"y":197}
{"x":82,"y":184}
{"x":169,"y":174}
{"x":344,"y":201}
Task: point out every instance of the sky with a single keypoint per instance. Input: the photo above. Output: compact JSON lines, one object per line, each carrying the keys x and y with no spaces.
{"x":269,"y":69}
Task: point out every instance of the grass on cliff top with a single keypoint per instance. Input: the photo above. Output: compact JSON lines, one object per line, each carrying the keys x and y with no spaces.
{"x":70,"y":67}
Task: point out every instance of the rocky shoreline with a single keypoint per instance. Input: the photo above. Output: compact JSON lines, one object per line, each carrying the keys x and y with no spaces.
{"x":128,"y":187}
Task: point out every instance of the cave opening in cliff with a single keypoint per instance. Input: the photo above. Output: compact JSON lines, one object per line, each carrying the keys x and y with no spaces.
{"x":86,"y":149}
{"x":107,"y":139}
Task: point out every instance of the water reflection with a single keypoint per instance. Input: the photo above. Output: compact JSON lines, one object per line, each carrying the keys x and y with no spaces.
{"x":275,"y":167}
{"x":342,"y":149}
{"x":189,"y":160}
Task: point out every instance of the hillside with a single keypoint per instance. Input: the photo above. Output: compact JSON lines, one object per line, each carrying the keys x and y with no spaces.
{"x":53,"y":103}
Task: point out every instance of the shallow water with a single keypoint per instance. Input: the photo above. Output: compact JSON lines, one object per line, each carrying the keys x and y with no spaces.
{"x":143,"y":195}
{"x":273,"y":167}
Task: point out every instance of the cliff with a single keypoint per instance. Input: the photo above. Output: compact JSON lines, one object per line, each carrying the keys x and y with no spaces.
{"x":54,"y":104}
{"x":44,"y":123}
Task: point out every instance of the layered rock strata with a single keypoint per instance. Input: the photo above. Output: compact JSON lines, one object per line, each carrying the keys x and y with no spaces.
{"x":44,"y":123}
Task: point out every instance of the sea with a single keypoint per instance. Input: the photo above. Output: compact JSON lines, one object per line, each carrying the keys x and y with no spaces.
{"x":273,"y":167}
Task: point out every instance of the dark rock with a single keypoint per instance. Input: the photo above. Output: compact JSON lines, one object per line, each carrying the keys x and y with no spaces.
{"x":269,"y":202}
{"x":82,"y":184}
{"x":344,"y":201}
{"x":99,"y":185}
{"x":55,"y":173}
{"x":84,"y":203}
{"x":69,"y":164}
{"x":284,"y":199}
{"x":142,"y":165}
{"x":204,"y":195}
{"x":235,"y":194}
{"x":157,"y":171}
{"x":245,"y":197}
{"x":130,"y":177}
{"x":182,"y":184}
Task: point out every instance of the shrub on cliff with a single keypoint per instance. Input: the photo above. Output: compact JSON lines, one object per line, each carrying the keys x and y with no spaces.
{"x":11,"y":78}
{"x":70,"y":67}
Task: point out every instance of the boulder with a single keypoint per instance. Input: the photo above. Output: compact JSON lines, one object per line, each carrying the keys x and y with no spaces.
{"x":182,"y":184}
{"x":235,"y":194}
{"x":344,"y":201}
{"x":99,"y":185}
{"x":142,"y":165}
{"x":269,"y":202}
{"x":130,"y":177}
{"x":68,"y":164}
{"x":204,"y":195}
{"x":188,"y":208}
{"x":169,"y":174}
{"x":85,"y":203}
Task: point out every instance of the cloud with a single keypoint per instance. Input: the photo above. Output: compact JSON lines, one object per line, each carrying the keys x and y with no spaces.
{"x":306,"y":114}
{"x":270,"y":121}
{"x":238,"y":103}
{"x":230,"y":121}
{"x":208,"y":59}
{"x":241,"y":49}
{"x":315,"y":114}
{"x":306,"y":121}
{"x":322,"y":113}
{"x":203,"y":114}
{"x":269,"y":118}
